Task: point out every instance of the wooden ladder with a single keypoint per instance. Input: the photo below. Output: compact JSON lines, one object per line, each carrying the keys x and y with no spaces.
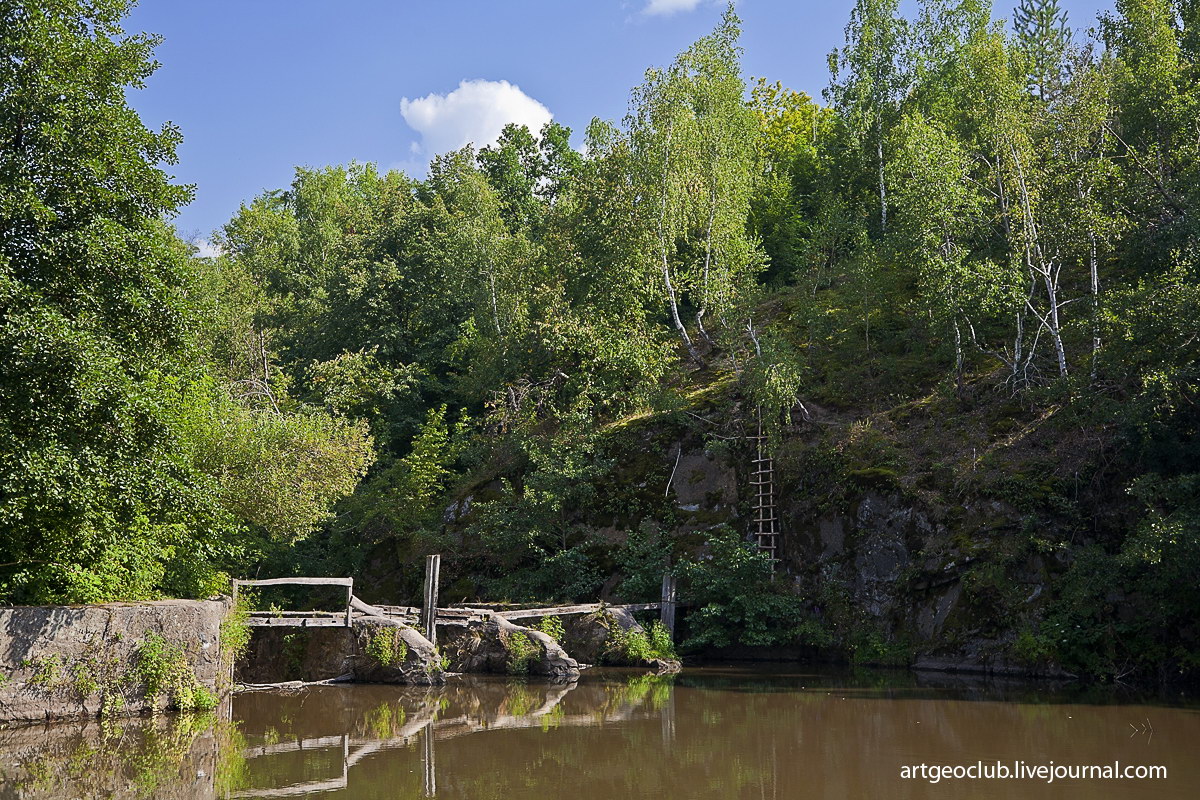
{"x":765,"y":520}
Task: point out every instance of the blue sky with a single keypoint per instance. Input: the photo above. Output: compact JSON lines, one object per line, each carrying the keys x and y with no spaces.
{"x":261,"y":86}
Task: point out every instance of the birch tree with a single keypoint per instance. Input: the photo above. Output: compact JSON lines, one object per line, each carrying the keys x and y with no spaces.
{"x":692,"y":140}
{"x":868,"y":81}
{"x":725,"y":128}
{"x":663,"y":138}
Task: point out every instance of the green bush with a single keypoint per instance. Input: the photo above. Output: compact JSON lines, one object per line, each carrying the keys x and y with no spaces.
{"x":163,"y":670}
{"x":235,"y":628}
{"x":522,"y":652}
{"x":737,"y":599}
{"x":638,"y":646}
{"x":387,"y":647}
{"x":552,"y":627}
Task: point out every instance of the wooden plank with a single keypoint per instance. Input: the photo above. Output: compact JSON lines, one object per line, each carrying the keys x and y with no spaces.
{"x":330,"y":614}
{"x":402,"y":611}
{"x":296,"y":622}
{"x":457,"y":613}
{"x":556,"y":611}
{"x":297,"y":582}
{"x":295,"y":790}
{"x":562,"y":611}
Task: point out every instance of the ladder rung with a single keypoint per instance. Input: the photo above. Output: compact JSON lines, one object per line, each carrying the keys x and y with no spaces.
{"x":762,"y":475}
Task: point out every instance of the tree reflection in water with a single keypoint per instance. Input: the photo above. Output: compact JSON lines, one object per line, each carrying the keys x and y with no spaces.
{"x":707,"y":733}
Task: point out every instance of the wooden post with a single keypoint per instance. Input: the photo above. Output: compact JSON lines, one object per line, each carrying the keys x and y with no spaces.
{"x":349,"y":603}
{"x":667,"y":610}
{"x":429,"y":612}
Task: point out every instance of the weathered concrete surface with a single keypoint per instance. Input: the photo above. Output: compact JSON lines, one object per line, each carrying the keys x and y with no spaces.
{"x":318,"y":654}
{"x":484,"y":645}
{"x":64,"y":662}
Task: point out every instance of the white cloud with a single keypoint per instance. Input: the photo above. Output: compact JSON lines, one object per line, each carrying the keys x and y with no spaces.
{"x":666,"y":7}
{"x":476,"y":112}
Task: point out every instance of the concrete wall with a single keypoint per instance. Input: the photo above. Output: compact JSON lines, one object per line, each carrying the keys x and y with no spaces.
{"x":64,"y":662}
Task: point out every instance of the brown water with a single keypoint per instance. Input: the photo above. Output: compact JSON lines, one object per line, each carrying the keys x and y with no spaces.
{"x":707,"y":733}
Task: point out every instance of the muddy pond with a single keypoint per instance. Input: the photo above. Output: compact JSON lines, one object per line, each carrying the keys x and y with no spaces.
{"x":709,"y":732}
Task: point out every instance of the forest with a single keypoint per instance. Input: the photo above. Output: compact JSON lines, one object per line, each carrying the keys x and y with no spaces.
{"x":967,"y":277}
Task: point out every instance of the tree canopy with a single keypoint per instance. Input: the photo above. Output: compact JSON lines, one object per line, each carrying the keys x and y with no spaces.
{"x":998,"y":224}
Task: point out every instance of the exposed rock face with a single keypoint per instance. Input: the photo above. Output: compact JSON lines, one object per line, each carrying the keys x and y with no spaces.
{"x":487,"y":645}
{"x":62,"y":662}
{"x":704,"y":483}
{"x":416,"y":659}
{"x":881,"y":553}
{"x":589,"y":636}
{"x":914,"y":577}
{"x":276,"y":655}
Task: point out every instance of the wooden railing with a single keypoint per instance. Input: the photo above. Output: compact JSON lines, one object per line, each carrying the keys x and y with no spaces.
{"x":306,"y":619}
{"x":429,"y":614}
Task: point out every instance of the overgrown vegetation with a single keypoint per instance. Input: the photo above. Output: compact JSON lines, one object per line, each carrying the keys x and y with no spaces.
{"x":969,"y":279}
{"x":553,"y":627}
{"x":235,"y":632}
{"x":739,"y":599}
{"x":522,"y":652}
{"x":387,"y":647}
{"x":632,"y":646}
{"x":163,"y":669}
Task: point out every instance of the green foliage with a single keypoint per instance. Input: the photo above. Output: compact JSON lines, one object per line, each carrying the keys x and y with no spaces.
{"x":870,"y":647}
{"x":234,"y":636}
{"x":553,"y":627}
{"x":522,"y":652}
{"x":387,"y":647}
{"x":163,"y":669}
{"x":530,"y":528}
{"x":735,"y":597}
{"x":127,"y":470}
{"x":1043,"y":34}
{"x":278,"y":472}
{"x":973,"y":212}
{"x":692,"y":141}
{"x":47,"y":672}
{"x":642,"y":559}
{"x":632,"y":646}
